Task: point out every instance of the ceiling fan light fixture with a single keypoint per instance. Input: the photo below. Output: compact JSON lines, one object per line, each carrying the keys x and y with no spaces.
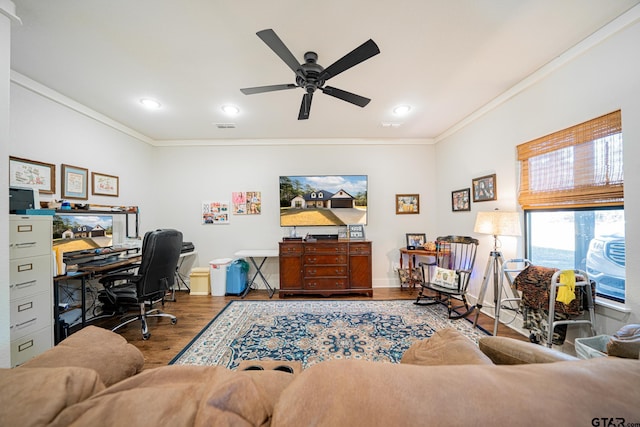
{"x":230,"y":110}
{"x":401,"y":110}
{"x":150,"y":103}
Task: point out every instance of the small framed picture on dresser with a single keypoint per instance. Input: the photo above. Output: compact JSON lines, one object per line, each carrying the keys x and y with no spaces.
{"x":356,"y":232}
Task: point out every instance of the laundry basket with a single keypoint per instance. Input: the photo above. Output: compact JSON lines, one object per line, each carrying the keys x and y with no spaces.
{"x":591,"y":347}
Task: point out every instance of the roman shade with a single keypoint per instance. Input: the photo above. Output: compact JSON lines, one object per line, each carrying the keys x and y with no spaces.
{"x":580,"y":166}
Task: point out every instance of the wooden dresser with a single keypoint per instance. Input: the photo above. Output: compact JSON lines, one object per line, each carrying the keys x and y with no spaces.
{"x":325,"y":267}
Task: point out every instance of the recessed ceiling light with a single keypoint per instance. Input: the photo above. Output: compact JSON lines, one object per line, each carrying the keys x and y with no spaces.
{"x":230,"y":110}
{"x":151,"y":104}
{"x":400,"y":110}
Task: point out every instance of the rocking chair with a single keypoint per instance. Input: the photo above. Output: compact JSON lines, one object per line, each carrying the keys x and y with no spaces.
{"x":448,"y":274}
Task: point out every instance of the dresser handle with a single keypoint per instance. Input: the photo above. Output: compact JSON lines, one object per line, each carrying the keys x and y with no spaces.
{"x":25,"y":244}
{"x":20,"y":325}
{"x":24,"y":284}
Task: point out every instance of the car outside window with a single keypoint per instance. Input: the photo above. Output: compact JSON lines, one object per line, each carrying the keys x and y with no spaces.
{"x":585,"y":239}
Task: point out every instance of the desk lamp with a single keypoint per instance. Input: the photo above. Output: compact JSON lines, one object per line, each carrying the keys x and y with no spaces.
{"x":496,"y":223}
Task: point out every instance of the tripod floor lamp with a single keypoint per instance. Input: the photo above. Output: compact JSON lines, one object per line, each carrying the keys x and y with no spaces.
{"x":497,"y":223}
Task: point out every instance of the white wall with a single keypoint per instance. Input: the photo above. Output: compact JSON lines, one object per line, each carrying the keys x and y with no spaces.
{"x":47,"y":131}
{"x":597,"y":82}
{"x":196,"y":174}
{"x":169,"y":183}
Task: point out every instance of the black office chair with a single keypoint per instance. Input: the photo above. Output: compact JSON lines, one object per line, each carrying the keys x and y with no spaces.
{"x":155,"y":276}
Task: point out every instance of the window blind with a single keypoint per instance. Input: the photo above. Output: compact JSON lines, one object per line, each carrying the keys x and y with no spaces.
{"x":576,"y":167}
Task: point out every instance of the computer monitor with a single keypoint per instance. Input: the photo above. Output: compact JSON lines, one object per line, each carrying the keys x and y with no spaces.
{"x":23,"y":198}
{"x":82,"y":232}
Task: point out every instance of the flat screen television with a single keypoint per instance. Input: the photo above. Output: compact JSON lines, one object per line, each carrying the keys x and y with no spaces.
{"x":323,"y":200}
{"x":82,"y":232}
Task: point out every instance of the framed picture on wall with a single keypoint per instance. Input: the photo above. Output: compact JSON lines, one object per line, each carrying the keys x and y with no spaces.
{"x":30,"y":173}
{"x":407,"y":204}
{"x":74,"y":182}
{"x":460,"y":200}
{"x":484,"y":188}
{"x":215,"y":212}
{"x":104,"y":185}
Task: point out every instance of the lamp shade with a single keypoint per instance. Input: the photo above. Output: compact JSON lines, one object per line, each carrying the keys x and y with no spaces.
{"x":498,"y":223}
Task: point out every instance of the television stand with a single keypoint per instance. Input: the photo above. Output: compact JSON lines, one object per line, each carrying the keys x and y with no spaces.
{"x":325,"y":267}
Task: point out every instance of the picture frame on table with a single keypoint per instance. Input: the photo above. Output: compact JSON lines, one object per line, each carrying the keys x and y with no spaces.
{"x":33,"y":174}
{"x":407,"y":204}
{"x":74,"y":182}
{"x":484,"y":188}
{"x":104,"y":185}
{"x":416,"y":240}
{"x":356,"y":231}
{"x":461,"y":200}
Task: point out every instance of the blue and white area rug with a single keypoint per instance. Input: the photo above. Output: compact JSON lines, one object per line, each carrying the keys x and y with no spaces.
{"x":314,"y":331}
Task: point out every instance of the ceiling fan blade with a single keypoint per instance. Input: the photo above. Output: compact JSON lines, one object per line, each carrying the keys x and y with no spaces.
{"x":358,"y":100}
{"x":363,"y":52}
{"x":262,"y":89}
{"x":273,"y":41}
{"x":305,"y":106}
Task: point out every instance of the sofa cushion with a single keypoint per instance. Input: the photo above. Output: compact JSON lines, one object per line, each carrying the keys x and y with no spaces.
{"x":359,"y":393}
{"x":625,"y":342}
{"x":34,"y":397}
{"x":445,"y":347}
{"x":179,"y":395}
{"x":100,"y":349}
{"x":509,"y":351}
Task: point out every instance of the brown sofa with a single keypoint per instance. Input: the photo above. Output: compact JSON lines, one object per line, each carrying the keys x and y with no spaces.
{"x":93,"y":378}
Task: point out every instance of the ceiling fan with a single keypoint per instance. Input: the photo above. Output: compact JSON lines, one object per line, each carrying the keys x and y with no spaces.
{"x":312,"y":76}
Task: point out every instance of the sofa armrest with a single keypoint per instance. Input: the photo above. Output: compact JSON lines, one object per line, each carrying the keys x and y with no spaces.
{"x":445,"y":347}
{"x":106,"y":352}
{"x":509,"y":351}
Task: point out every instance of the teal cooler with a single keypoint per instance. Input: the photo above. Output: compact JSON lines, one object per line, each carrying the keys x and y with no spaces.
{"x":237,"y":276}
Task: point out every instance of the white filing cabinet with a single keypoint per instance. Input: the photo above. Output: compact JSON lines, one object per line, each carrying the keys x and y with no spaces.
{"x":31,"y":286}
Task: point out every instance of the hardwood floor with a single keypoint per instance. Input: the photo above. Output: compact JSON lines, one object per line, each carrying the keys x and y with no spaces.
{"x":194,"y":312}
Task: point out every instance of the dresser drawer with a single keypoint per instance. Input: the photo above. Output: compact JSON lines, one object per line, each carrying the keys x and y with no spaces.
{"x":326,"y":248}
{"x":30,"y":314}
{"x":27,"y":347}
{"x":363,"y":248}
{"x":326,"y":283}
{"x":28,"y":276}
{"x":325,"y":259}
{"x":29,"y":236}
{"x":291,"y":249}
{"x":325,"y":270}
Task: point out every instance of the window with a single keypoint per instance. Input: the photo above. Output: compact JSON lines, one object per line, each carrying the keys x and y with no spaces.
{"x":585,"y":239}
{"x":572,"y":192}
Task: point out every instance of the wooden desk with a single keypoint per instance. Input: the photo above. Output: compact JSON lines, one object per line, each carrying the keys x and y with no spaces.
{"x":86,"y":273}
{"x":411,"y":254}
